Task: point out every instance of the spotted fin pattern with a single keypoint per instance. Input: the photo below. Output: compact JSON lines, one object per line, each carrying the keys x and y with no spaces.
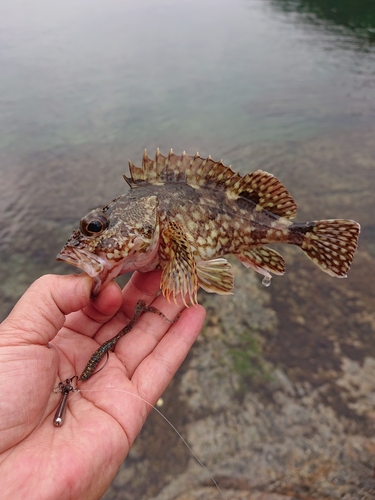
{"x":179,"y":273}
{"x":264,"y":189}
{"x":331,"y":245}
{"x":267,"y":192}
{"x":215,"y":276}
{"x":262,"y":260}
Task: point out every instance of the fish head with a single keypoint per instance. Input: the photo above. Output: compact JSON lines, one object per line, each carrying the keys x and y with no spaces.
{"x":117,"y":238}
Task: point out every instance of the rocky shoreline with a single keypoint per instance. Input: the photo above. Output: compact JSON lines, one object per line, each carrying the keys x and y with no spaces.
{"x":296,"y":422}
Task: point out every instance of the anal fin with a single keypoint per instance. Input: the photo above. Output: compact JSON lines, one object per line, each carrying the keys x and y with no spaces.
{"x":263,"y":260}
{"x":215,"y":276}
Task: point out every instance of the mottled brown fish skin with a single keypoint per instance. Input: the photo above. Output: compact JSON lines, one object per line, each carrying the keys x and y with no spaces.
{"x":183,"y":214}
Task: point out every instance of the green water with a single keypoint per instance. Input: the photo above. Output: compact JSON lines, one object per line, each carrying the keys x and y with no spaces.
{"x":356,"y":16}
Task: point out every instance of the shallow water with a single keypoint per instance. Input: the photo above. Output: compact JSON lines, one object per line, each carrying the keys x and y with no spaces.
{"x":287,"y":86}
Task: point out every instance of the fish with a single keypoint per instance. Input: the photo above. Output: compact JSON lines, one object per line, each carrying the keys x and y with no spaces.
{"x":184,"y":214}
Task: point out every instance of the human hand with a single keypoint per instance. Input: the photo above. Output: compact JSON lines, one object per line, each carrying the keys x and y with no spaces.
{"x":48,"y":337}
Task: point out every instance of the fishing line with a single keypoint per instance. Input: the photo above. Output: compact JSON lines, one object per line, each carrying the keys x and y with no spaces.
{"x":65,"y":387}
{"x":171,"y":425}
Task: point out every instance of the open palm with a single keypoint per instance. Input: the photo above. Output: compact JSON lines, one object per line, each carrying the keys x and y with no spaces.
{"x":48,"y":337}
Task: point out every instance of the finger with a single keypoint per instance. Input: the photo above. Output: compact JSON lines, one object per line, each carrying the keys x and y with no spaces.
{"x":146,"y":333}
{"x":40,"y":313}
{"x":141,"y":286}
{"x":168,"y":355}
{"x":99,"y":311}
{"x":151,"y":377}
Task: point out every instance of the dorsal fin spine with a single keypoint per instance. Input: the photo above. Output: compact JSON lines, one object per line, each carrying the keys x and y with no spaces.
{"x":260,"y":186}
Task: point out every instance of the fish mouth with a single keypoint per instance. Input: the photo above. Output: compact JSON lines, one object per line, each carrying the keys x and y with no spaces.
{"x":90,"y":263}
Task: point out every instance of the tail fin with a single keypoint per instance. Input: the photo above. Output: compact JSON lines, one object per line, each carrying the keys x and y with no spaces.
{"x":331,"y":245}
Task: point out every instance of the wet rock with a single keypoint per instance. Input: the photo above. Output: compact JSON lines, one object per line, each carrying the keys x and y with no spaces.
{"x":301,"y":426}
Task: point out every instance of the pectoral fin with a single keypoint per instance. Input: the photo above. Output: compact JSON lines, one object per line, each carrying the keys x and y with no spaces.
{"x":179,"y":272}
{"x":215,"y":276}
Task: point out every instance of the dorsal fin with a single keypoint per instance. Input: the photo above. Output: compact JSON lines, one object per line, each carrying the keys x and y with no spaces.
{"x":266,"y":190}
{"x":259,"y":187}
{"x":194,"y":170}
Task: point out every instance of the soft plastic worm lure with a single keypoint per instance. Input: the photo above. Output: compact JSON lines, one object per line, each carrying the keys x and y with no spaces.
{"x":98,"y":355}
{"x":90,"y":369}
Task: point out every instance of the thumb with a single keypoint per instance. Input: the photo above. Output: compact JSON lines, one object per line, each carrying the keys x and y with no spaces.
{"x":40,"y":312}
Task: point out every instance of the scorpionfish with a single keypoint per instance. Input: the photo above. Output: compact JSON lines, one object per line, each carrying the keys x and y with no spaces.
{"x":183,"y":214}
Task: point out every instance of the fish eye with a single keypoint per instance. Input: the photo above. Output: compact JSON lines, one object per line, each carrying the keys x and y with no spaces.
{"x":94,"y":225}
